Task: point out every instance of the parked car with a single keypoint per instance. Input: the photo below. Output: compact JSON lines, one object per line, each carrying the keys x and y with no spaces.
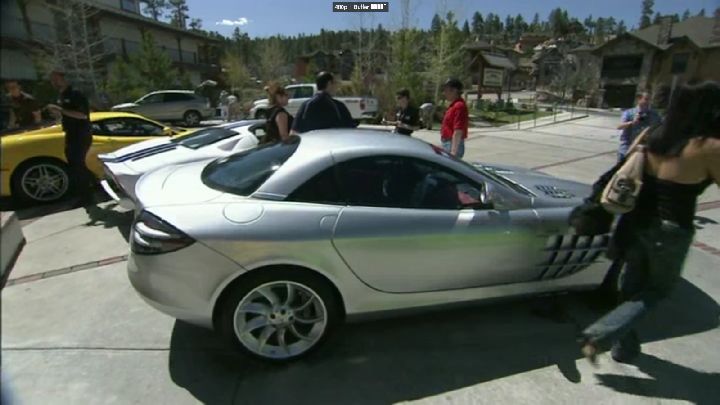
{"x":171,"y":106}
{"x":34,"y":168}
{"x":360,"y":107}
{"x":125,"y":166}
{"x":274,"y":246}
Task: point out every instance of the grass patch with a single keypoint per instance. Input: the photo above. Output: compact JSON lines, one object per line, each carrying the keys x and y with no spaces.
{"x":498,"y":118}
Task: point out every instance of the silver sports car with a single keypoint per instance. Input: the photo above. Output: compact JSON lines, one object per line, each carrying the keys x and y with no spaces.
{"x":274,"y":246}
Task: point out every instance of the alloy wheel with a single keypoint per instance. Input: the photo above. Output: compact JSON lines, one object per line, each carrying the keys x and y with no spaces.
{"x":44,"y":182}
{"x":280,"y":320}
{"x":192,"y":118}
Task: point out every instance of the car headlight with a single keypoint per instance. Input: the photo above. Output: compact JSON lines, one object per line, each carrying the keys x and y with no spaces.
{"x":151,"y":236}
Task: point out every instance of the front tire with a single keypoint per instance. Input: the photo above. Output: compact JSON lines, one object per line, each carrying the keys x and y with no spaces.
{"x":279,"y":315}
{"x":192,"y":118}
{"x":41,"y":181}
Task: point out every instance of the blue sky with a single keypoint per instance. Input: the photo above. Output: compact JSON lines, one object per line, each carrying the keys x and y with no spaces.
{"x":290,"y":17}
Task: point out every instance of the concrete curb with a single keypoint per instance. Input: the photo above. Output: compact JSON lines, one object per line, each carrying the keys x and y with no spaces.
{"x":12,"y":241}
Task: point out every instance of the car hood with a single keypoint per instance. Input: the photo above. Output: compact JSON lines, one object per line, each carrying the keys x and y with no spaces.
{"x":175,"y":185}
{"x":544,"y":189}
{"x":124,"y":106}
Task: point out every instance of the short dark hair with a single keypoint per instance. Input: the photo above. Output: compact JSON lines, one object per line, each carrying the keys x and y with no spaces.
{"x":403,"y":93}
{"x":323,"y":79}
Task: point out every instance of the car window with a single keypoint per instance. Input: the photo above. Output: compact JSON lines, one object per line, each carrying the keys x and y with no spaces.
{"x":151,"y":99}
{"x":172,"y":97}
{"x":243,"y":173}
{"x":303,"y":92}
{"x":128,"y":127}
{"x":398,"y":182}
{"x":320,"y":189}
{"x":204,"y":137}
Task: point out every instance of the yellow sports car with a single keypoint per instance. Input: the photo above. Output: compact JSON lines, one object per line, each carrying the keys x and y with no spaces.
{"x":33,"y":163}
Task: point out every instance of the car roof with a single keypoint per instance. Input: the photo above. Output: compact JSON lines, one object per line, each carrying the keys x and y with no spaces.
{"x":172,"y":91}
{"x":362,"y":141}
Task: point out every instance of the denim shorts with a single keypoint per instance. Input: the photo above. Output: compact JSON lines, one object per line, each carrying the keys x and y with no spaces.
{"x":447,"y":145}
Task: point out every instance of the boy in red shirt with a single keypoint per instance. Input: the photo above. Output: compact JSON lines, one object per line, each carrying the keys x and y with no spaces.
{"x":455,"y":122}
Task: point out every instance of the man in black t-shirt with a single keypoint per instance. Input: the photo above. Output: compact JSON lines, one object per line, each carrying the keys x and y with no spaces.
{"x":323,"y":111}
{"x":74,"y":108}
{"x":407,"y":117}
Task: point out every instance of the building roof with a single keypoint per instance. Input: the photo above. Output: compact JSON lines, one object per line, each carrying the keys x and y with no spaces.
{"x":498,"y":60}
{"x":698,"y":30}
{"x":477,"y":46}
{"x":584,"y":48}
{"x":146,"y":20}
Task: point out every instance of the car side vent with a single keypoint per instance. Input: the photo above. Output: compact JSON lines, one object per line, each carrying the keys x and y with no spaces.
{"x":555,"y":192}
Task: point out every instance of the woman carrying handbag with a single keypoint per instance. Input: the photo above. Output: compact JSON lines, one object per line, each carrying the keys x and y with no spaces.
{"x":679,"y":160}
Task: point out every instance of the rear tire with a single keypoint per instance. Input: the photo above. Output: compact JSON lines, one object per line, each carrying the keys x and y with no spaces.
{"x":192,"y":118}
{"x":279,"y":315}
{"x":41,"y":181}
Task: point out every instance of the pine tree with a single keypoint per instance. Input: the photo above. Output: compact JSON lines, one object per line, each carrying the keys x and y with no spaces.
{"x":621,"y":28}
{"x":590,"y":25}
{"x":466,"y":31}
{"x":436,"y":24}
{"x":155,"y":8}
{"x":686,"y":15}
{"x":535,"y":26}
{"x":647,"y":12}
{"x":478,"y":25}
{"x":179,"y":13}
{"x":656,"y":19}
{"x":701,"y":13}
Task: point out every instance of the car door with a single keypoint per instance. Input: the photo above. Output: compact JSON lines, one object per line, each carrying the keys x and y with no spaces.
{"x":151,"y":106}
{"x":411,"y":225}
{"x":175,"y":105}
{"x":112,"y":134}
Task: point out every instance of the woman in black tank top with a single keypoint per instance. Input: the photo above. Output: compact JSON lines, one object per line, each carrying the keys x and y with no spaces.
{"x":655,"y":237}
{"x":279,"y":121}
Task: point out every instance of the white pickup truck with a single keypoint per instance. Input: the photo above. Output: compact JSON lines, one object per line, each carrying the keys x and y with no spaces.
{"x":360,"y":107}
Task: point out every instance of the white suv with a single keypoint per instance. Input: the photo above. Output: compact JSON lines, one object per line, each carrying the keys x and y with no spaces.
{"x":172,"y":106}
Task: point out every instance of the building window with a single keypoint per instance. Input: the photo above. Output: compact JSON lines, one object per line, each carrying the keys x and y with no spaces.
{"x":622,"y":67}
{"x":679,"y":63}
{"x":130,"y":5}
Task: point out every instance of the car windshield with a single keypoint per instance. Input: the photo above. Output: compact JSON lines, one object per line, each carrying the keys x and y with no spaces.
{"x":243,"y":173}
{"x":204,"y":137}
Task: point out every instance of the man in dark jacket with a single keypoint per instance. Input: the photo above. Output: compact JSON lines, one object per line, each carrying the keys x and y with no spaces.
{"x":74,"y":108}
{"x":323,"y":111}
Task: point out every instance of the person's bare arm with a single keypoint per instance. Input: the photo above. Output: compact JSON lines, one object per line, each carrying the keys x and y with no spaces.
{"x":629,"y":124}
{"x":713,"y":160}
{"x":282,"y":123}
{"x":37,"y":116}
{"x":457,"y":137}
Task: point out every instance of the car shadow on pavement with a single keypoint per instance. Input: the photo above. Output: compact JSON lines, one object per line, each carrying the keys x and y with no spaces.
{"x":414,"y":357}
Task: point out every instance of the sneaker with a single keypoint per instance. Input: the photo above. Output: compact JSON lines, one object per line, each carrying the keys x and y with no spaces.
{"x":627,"y":349}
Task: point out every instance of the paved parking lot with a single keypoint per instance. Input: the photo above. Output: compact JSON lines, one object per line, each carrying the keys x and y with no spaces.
{"x":75,"y":332}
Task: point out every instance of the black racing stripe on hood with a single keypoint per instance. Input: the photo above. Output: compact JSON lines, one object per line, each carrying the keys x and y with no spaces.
{"x":155,"y":150}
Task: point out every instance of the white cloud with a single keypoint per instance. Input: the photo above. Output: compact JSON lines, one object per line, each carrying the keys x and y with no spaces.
{"x":239,"y":21}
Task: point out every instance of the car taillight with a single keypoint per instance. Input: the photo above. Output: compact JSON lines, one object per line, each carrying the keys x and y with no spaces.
{"x":362,"y":104}
{"x":151,"y":236}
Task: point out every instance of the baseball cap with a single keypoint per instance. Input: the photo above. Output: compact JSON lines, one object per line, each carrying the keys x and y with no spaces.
{"x":454,"y":83}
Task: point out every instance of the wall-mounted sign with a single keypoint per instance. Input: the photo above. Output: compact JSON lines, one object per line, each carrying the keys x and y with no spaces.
{"x":493,"y":77}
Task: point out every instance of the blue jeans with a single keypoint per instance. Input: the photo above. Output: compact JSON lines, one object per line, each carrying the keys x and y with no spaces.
{"x":447,"y":145}
{"x":655,"y":258}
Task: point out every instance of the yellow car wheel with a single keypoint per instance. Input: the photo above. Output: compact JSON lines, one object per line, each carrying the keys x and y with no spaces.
{"x":41,"y":180}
